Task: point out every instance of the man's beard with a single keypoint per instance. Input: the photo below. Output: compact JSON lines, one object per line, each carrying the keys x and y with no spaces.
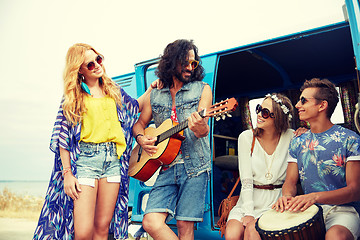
{"x":179,"y":76}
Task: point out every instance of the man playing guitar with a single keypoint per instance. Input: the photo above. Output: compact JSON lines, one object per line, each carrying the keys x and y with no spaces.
{"x":180,"y":188}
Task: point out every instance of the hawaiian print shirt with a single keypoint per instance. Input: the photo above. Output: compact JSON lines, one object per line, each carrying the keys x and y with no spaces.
{"x":321,"y":158}
{"x":56,"y":217}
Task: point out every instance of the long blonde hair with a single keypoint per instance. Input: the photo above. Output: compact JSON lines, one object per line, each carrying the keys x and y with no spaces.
{"x":73,"y":106}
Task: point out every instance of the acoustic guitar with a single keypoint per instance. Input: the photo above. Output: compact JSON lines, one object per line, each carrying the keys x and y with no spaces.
{"x":169,"y":138}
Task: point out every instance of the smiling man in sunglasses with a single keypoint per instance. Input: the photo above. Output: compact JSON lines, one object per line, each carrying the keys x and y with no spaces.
{"x":327,"y":161}
{"x":179,"y":190}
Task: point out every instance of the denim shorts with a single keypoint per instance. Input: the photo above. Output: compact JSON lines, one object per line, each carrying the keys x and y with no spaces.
{"x":178,"y":195}
{"x":97,"y":160}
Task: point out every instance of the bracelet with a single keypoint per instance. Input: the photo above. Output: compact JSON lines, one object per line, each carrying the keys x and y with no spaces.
{"x":65,"y":171}
{"x":138,"y":135}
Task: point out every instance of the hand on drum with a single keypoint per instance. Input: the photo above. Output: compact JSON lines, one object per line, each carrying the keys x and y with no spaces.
{"x":282,"y":203}
{"x":246,"y":220}
{"x":294,"y":204}
{"x":301,"y":202}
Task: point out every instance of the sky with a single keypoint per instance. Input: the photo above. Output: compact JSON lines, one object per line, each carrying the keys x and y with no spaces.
{"x":35,"y":36}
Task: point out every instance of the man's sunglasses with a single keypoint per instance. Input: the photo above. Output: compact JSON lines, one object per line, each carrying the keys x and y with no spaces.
{"x":194,"y":64}
{"x":91,"y":65}
{"x":303,"y":100}
{"x":265,"y":113}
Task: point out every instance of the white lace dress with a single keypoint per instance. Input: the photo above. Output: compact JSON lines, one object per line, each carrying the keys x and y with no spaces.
{"x":253,"y":170}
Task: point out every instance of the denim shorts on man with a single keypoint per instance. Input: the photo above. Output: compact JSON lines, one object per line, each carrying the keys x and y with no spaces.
{"x":97,"y":160}
{"x":178,"y":195}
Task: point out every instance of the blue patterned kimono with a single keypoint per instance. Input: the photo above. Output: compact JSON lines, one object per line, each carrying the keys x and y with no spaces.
{"x":56,"y":218}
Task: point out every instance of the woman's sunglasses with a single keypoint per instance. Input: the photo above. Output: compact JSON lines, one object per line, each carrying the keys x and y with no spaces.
{"x":91,"y":65}
{"x":265,"y":113}
{"x":194,"y":64}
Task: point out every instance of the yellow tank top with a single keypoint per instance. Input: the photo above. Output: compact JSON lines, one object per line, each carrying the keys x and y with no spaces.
{"x":101,"y":124}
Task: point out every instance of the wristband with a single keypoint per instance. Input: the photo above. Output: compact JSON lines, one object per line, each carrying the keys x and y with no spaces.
{"x":65,"y":171}
{"x":138,"y":136}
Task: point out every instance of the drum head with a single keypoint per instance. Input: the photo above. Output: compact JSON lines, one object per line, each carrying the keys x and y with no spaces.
{"x":276,"y":221}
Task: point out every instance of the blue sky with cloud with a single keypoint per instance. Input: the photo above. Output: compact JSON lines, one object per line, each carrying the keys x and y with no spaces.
{"x":36,"y":34}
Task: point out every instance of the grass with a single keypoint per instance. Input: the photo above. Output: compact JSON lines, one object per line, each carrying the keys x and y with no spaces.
{"x":17,"y":206}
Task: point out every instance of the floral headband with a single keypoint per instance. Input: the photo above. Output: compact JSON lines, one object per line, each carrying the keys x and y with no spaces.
{"x":284,"y":108}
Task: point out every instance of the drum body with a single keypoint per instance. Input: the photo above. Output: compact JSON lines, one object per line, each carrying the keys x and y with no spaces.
{"x":292,"y":226}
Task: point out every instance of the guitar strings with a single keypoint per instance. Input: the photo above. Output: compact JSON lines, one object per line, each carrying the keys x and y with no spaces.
{"x":172,"y":131}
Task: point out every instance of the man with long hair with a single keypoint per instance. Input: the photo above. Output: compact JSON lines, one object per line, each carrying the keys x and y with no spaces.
{"x":327,"y":161}
{"x":179,"y":190}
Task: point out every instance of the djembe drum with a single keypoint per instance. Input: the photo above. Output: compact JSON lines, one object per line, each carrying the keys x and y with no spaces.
{"x":292,"y":225}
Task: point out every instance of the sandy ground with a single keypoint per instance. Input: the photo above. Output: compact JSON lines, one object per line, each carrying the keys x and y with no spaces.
{"x":23,"y":229}
{"x":16,"y":229}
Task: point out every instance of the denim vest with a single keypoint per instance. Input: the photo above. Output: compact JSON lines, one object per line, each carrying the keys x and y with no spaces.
{"x":195,"y":151}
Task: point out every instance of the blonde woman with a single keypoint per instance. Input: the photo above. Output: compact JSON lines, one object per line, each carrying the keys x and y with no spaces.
{"x":263,"y":174}
{"x":92,"y":140}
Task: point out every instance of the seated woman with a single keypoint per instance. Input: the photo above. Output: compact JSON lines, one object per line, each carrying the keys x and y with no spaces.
{"x":262,"y":173}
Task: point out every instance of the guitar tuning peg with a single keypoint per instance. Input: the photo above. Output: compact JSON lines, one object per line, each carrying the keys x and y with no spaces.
{"x":217,"y":118}
{"x":228,"y":115}
{"x":223,"y":117}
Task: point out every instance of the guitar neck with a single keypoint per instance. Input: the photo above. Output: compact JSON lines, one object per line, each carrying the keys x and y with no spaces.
{"x":176,"y":129}
{"x":218,"y":110}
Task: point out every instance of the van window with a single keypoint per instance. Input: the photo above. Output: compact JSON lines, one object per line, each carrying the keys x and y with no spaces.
{"x":338,"y":115}
{"x":150,"y":74}
{"x":252,"y":105}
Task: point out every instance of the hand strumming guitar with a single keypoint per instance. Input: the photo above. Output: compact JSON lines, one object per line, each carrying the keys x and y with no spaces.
{"x":147,"y":143}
